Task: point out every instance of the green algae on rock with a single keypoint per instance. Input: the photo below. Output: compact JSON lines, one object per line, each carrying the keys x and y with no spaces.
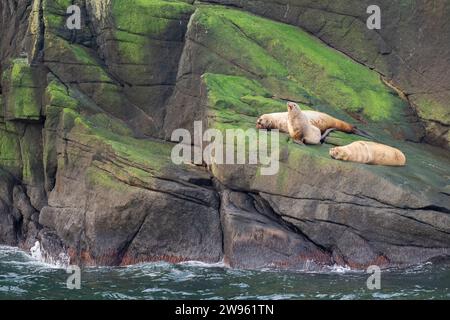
{"x":22,"y":101}
{"x":264,"y":50}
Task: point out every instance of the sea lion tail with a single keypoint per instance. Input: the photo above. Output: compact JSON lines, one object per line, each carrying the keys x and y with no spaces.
{"x":362,"y":133}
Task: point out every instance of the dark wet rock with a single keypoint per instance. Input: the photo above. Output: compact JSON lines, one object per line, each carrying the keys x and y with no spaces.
{"x":8,"y":216}
{"x":109,"y":209}
{"x":256,"y":237}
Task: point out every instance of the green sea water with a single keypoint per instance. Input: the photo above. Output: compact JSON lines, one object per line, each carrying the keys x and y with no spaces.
{"x":22,"y":277}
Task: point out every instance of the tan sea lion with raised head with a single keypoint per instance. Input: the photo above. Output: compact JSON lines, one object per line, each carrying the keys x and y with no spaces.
{"x":369,"y":153}
{"x":323,"y":121}
{"x":299,"y":127}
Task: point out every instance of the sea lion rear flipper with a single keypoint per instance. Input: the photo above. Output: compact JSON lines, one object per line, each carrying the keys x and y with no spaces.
{"x":325,"y":134}
{"x":362,"y":133}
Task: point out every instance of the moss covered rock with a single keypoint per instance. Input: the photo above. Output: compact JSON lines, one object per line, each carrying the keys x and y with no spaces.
{"x":281,"y":62}
{"x":402,"y":50}
{"x":22,"y":99}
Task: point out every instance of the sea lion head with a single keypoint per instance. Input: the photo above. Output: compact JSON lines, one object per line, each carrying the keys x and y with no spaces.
{"x":293,"y":107}
{"x":263,"y":123}
{"x":339,"y":153}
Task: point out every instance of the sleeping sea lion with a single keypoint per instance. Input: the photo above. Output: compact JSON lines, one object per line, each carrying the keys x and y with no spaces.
{"x":369,"y":153}
{"x":299,"y":127}
{"x":271,"y":121}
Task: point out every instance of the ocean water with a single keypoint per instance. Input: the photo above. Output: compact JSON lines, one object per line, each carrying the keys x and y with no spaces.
{"x":23,"y":277}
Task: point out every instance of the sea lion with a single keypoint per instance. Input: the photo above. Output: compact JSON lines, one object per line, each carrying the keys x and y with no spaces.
{"x":369,"y":153}
{"x":299,"y":127}
{"x":323,"y":121}
{"x":271,"y":121}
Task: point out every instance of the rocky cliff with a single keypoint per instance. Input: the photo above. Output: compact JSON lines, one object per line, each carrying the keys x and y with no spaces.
{"x":87,"y":115}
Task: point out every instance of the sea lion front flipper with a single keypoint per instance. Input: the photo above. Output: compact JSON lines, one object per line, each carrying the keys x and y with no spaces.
{"x":326,"y":133}
{"x":298,"y":142}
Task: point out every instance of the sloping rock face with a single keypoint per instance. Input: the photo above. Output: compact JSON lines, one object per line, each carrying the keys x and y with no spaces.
{"x":411,"y":48}
{"x":87,"y":117}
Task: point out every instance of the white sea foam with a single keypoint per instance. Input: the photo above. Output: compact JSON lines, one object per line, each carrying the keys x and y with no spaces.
{"x":36,"y":251}
{"x":339,"y":269}
{"x":201,"y":264}
{"x":39,"y":253}
{"x":37,"y":256}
